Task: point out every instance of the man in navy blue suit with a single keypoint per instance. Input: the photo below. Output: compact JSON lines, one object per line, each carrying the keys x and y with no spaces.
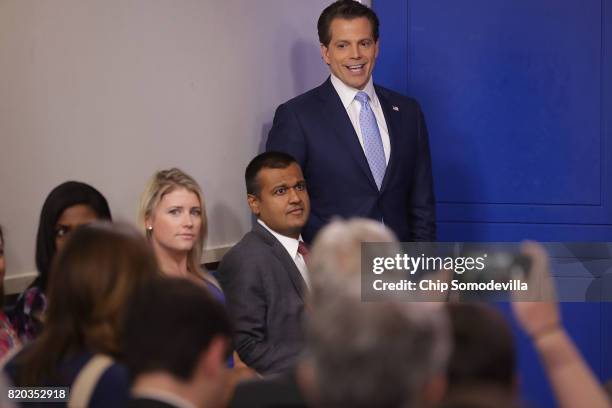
{"x":364,"y":149}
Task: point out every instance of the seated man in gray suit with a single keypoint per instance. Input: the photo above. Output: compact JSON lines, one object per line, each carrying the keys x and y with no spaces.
{"x":264,"y":276}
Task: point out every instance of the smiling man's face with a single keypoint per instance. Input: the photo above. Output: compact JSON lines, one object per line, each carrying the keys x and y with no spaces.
{"x":352,"y":51}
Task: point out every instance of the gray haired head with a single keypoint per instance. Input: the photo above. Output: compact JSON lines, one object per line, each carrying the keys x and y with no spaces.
{"x":375,"y":354}
{"x":367,"y":354}
{"x":335,"y":261}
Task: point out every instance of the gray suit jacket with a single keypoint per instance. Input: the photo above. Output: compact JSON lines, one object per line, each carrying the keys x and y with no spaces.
{"x":265,"y":295}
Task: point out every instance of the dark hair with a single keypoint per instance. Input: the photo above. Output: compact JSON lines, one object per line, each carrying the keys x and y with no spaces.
{"x":191,"y":319}
{"x":348,"y":10}
{"x":267,"y":160}
{"x":91,"y":280}
{"x":60,"y":198}
{"x":484,"y":351}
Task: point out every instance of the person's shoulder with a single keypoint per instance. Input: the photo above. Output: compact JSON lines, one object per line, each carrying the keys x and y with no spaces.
{"x":396,"y":98}
{"x":31,"y":300}
{"x":305,"y":98}
{"x":116,"y":372}
{"x":274,"y":390}
{"x":25,"y":314}
{"x":258,"y":238}
{"x":113,"y":387}
{"x":253,"y":245}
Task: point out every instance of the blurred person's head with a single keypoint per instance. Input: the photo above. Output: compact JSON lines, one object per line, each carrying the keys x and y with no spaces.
{"x":367,"y":354}
{"x":91,"y":280}
{"x":68,"y":206}
{"x":335,"y":259}
{"x":277,"y":194}
{"x":185,"y":355}
{"x":484,"y":351}
{"x":173,"y":216}
{"x":375,"y":354}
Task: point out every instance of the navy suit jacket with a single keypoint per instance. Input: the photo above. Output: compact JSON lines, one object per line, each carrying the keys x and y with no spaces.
{"x":315,"y":128}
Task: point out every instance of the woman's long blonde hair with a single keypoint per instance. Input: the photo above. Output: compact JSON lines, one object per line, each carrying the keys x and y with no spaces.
{"x":162,"y":183}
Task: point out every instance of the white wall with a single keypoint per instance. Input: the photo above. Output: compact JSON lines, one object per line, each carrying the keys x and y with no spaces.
{"x":108,"y":91}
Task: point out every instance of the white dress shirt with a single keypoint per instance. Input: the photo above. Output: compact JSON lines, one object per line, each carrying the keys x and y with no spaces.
{"x":291,"y":245}
{"x":353,"y":108}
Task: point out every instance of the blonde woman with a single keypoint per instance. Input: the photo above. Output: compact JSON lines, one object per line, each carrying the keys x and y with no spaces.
{"x":173,"y":216}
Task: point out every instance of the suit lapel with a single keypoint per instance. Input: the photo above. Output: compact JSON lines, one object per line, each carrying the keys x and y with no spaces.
{"x":393,"y":126}
{"x":282,"y":255}
{"x":333,"y":111}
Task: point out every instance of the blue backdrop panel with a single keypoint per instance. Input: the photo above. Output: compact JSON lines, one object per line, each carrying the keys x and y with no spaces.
{"x":537,"y":89}
{"x":517,"y":104}
{"x":517,"y":97}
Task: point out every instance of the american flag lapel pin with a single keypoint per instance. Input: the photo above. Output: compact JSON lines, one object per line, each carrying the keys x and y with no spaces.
{"x":395,"y":108}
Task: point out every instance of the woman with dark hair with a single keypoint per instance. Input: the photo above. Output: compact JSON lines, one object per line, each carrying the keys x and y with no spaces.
{"x":67,"y":206}
{"x":91,"y":280}
{"x":8,"y":337}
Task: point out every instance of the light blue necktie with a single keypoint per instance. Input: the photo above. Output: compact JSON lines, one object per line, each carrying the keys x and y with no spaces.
{"x":372,"y":142}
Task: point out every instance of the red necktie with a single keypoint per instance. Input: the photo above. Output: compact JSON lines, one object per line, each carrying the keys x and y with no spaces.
{"x":304,"y":251}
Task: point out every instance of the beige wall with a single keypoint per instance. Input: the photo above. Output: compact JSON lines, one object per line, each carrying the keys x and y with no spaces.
{"x":108,"y":91}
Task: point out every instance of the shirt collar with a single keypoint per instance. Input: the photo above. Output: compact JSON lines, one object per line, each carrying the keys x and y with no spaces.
{"x":347,"y":93}
{"x":290,"y":244}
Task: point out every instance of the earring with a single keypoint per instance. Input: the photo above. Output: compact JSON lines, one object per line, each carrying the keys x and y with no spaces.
{"x":150,"y":228}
